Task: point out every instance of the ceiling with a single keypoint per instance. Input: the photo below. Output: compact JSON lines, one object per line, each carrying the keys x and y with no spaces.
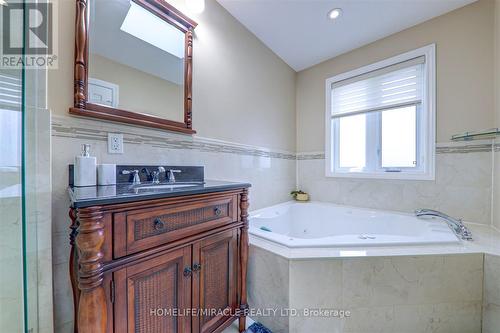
{"x":300,"y":33}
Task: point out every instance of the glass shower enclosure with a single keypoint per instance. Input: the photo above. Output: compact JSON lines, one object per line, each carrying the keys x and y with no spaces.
{"x":25,"y":254}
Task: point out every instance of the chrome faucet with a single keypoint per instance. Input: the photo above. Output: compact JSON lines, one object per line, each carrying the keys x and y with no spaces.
{"x":154,"y":176}
{"x":136,"y":180}
{"x":456,"y":225}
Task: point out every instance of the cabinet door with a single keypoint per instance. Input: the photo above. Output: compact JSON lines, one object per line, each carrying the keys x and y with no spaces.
{"x":215,"y":280}
{"x":147,"y":295}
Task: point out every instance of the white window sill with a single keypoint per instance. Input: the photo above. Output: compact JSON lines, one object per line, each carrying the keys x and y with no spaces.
{"x":380,"y":175}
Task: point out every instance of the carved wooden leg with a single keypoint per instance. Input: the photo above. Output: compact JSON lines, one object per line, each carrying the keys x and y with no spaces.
{"x":92,"y":315}
{"x":73,"y":266}
{"x":244,"y":259}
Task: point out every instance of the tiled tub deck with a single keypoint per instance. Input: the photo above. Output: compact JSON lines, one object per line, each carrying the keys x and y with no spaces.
{"x":449,"y":292}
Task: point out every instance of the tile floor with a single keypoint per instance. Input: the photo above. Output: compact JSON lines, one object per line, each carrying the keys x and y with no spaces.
{"x":234,"y":327}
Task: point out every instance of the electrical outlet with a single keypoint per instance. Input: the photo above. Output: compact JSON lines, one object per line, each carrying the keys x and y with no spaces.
{"x":115,"y":143}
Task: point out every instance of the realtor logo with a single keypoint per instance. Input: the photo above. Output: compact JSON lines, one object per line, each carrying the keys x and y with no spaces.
{"x":28,"y":31}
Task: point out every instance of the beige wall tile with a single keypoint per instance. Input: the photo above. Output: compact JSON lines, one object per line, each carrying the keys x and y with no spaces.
{"x":378,"y":319}
{"x":462,"y":188}
{"x":496,"y":187}
{"x":491,"y":279}
{"x":412,"y":280}
{"x":383,"y":294}
{"x":491,"y":318}
{"x":63,"y":296}
{"x":268,"y":286}
{"x":491,"y":296}
{"x":315,"y":284}
{"x":443,"y":317}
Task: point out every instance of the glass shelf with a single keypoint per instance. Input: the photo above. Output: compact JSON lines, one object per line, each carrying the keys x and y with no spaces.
{"x":477,"y":135}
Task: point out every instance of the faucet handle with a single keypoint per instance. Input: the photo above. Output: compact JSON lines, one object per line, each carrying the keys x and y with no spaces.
{"x":136,"y":180}
{"x":171,"y":174}
{"x":466,"y":233}
{"x":128,"y":172}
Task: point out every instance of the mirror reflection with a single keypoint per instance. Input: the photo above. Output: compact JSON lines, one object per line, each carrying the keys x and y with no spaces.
{"x":136,"y":60}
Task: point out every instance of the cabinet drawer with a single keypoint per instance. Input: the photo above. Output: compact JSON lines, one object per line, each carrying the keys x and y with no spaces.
{"x":139,"y":230}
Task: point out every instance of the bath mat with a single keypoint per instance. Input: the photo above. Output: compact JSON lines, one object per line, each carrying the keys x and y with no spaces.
{"x":258,"y":328}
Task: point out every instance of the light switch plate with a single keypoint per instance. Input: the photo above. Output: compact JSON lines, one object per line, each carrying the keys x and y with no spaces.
{"x":115,"y":143}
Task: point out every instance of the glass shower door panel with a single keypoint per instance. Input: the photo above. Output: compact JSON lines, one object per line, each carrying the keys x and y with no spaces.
{"x":37,"y":207}
{"x":11,"y":217}
{"x":25,"y":198}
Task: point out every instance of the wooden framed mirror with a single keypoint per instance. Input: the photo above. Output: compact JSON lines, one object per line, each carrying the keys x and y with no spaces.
{"x":133,"y":63}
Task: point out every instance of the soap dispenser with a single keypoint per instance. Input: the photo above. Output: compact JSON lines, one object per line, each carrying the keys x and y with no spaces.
{"x":85,"y":168}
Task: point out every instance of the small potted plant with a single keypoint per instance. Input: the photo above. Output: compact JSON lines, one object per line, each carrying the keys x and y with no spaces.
{"x":300,"y":195}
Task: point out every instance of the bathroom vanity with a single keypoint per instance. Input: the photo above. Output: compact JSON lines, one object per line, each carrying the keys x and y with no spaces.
{"x":167,"y":257}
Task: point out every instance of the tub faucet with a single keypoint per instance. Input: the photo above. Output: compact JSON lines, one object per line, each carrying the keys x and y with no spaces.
{"x":456,"y":225}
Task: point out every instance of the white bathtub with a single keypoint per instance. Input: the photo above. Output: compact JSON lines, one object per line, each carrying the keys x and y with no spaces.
{"x":318,"y":224}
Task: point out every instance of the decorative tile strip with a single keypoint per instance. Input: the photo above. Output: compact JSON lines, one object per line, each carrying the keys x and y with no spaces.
{"x":85,"y":129}
{"x":91,"y":130}
{"x":463,"y":149}
{"x":441,"y":149}
{"x":311,"y":156}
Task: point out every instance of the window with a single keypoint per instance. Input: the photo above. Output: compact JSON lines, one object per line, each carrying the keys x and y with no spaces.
{"x":10,"y":120}
{"x":380,"y":119}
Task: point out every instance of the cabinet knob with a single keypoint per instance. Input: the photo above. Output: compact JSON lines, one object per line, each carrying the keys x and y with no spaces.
{"x":187,"y":271}
{"x":217,"y":211}
{"x":159,"y":224}
{"x":196,"y":267}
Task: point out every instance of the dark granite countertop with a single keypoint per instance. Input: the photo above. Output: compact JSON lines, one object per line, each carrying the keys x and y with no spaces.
{"x":112,"y":194}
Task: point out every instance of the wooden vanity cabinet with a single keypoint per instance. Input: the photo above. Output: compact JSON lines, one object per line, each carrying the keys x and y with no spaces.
{"x":144,"y":292}
{"x":160,"y":266}
{"x":215,"y":281}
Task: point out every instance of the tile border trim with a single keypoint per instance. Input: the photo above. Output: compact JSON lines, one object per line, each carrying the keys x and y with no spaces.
{"x":441,"y":148}
{"x":465,"y":148}
{"x":81,"y":128}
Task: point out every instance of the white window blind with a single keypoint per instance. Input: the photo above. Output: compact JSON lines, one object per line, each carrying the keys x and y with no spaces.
{"x":10,"y":91}
{"x":389,"y":87}
{"x":381,"y":119}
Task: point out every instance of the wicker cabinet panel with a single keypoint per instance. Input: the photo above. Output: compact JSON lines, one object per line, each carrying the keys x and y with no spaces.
{"x":215,"y":282}
{"x":140,"y":230}
{"x":147,"y":291}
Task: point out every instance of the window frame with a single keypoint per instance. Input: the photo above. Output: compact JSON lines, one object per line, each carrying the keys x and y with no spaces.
{"x":426,"y":122}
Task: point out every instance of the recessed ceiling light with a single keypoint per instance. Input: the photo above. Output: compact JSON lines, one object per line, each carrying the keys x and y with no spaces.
{"x":334,"y":13}
{"x":195,"y":6}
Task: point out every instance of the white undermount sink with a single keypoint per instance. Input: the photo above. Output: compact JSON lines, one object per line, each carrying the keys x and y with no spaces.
{"x":163,"y":186}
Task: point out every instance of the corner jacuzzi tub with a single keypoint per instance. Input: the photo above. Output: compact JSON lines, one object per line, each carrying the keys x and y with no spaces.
{"x":318,"y":224}
{"x":391,"y":271}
